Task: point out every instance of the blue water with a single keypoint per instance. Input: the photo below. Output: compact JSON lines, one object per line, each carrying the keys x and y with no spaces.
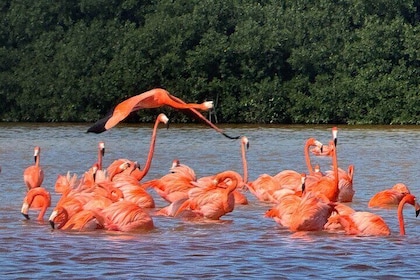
{"x":244,"y":244}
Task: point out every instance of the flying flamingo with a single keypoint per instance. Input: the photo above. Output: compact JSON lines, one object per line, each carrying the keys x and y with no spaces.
{"x":389,"y":197}
{"x":33,"y":176}
{"x":153,"y":99}
{"x":369,"y":224}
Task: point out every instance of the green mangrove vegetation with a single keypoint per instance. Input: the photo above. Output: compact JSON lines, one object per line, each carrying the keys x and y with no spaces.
{"x":268,"y":61}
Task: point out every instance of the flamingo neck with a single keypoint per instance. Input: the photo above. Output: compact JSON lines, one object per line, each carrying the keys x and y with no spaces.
{"x":100,"y":159}
{"x":38,"y":192}
{"x":228,"y":175}
{"x":401,"y":216}
{"x":244,"y":163}
{"x":37,"y":160}
{"x":335,"y":170}
{"x":151,"y":151}
{"x":42,"y":212}
{"x":307,"y":158}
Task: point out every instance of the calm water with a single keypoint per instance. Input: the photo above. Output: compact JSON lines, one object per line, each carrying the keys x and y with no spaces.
{"x":244,"y":244}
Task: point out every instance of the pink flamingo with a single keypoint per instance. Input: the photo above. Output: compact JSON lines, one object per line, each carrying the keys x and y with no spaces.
{"x":126,"y":216}
{"x":369,"y":224}
{"x":389,"y":197}
{"x":33,"y":176}
{"x":265,"y":185}
{"x":214,"y":200}
{"x":326,"y":185}
{"x":307,"y":213}
{"x":153,"y":99}
{"x":326,"y":151}
{"x":36,"y":198}
{"x":174,"y":185}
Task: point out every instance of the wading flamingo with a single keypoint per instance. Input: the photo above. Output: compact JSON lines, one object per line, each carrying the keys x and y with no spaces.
{"x":214,"y":200}
{"x":265,"y":185}
{"x":368,"y":224}
{"x":345,"y":179}
{"x":307,"y":213}
{"x":326,"y":151}
{"x":84,"y":220}
{"x":174,"y":185}
{"x":240,"y":197}
{"x":123,"y":166}
{"x":153,"y":99}
{"x":33,"y":176}
{"x":389,"y":197}
{"x":101,"y":153}
{"x":327,"y":185}
{"x":126,"y":216}
{"x":36,"y":198}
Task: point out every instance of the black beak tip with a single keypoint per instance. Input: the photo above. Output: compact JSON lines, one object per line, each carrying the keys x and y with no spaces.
{"x":26,"y":216}
{"x":52,"y":224}
{"x":417,"y":212}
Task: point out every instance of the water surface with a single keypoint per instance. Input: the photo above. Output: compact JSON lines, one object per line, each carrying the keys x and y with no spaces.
{"x":244,"y":244}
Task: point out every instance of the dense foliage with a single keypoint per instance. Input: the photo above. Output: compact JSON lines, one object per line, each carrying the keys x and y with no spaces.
{"x":269,"y":61}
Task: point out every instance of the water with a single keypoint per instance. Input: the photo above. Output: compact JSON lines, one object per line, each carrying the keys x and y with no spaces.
{"x":244,"y":244}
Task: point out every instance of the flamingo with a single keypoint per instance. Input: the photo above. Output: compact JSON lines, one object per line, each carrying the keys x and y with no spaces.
{"x":214,"y":200}
{"x":389,"y":197}
{"x":307,"y":213}
{"x":345,"y":179}
{"x":125,"y":166}
{"x":369,"y":224}
{"x":311,"y":142}
{"x":126,"y":216}
{"x":153,"y":99}
{"x":37,"y":198}
{"x":326,"y":151}
{"x":84,"y":220}
{"x":101,"y":153}
{"x":133,"y":191}
{"x":265,"y":185}
{"x":327,"y":185}
{"x":174,"y":185}
{"x":240,"y":197}
{"x":33,"y":176}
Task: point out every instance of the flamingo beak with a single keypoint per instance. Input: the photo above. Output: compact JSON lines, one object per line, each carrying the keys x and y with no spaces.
{"x":322,"y":147}
{"x":417,"y":209}
{"x":24,"y":210}
{"x":52,"y":224}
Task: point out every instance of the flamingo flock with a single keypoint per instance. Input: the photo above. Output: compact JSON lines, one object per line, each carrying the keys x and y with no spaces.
{"x":116,"y":198}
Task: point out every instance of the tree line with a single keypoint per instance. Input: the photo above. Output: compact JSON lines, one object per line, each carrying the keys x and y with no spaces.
{"x":269,"y":61}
